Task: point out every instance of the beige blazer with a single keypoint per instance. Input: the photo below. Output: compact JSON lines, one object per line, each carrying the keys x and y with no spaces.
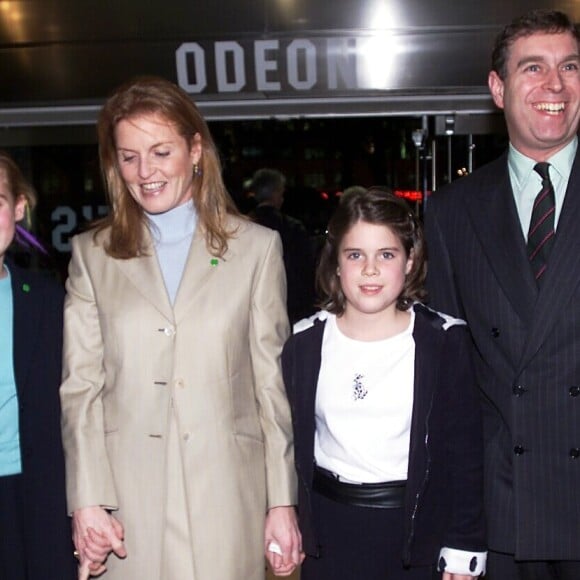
{"x":128,"y":352}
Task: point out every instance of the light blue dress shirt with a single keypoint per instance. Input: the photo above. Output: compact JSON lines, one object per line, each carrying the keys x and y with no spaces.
{"x":526,"y":183}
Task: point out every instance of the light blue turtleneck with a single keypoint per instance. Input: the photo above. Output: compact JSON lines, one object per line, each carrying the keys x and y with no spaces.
{"x":172,"y":234}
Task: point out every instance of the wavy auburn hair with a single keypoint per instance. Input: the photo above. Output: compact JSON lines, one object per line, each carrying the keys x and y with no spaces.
{"x":158,"y":96}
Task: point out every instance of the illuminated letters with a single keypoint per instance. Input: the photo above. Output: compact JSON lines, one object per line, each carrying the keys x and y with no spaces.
{"x":270,"y":65}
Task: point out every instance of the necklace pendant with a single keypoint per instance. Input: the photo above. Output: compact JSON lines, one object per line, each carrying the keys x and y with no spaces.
{"x":359,"y":391}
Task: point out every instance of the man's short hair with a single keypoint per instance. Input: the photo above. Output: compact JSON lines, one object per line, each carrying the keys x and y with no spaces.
{"x":533,"y":22}
{"x":266,"y":183}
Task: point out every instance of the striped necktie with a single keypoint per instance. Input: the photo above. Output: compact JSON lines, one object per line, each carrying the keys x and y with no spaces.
{"x":541,"y":232}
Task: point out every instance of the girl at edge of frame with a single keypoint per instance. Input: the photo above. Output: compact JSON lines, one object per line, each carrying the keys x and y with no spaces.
{"x":35,"y":533}
{"x":388,"y":438}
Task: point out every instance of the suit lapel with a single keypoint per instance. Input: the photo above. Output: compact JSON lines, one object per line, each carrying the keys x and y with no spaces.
{"x":561,"y":277}
{"x":145,"y":274}
{"x":494,"y":216}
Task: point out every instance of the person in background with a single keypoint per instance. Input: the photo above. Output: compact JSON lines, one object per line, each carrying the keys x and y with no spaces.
{"x":503,"y":255}
{"x":267,"y":188}
{"x":176,"y":426}
{"x":386,"y":418}
{"x":35,"y":536}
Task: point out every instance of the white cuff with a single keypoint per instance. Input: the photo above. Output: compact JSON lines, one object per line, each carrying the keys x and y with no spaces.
{"x":461,"y":562}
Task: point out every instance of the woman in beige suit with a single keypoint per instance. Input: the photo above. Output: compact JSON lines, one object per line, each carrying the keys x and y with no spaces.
{"x":176,"y":427}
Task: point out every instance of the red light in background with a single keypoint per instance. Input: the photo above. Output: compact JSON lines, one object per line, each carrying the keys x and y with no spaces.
{"x":410,"y":194}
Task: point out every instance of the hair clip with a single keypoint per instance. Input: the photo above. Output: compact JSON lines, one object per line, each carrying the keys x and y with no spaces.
{"x":26,"y":239}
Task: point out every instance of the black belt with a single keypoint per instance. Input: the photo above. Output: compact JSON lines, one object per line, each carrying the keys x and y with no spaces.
{"x":373,"y":495}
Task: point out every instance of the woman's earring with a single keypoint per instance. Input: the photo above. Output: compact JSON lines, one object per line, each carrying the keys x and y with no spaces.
{"x":196,"y":170}
{"x":338,"y":271}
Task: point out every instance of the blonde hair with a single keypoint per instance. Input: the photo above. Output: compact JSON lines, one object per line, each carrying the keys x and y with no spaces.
{"x":147,"y":96}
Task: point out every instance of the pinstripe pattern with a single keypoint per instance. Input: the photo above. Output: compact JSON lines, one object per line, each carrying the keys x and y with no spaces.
{"x":541,"y":232}
{"x":527,"y":355}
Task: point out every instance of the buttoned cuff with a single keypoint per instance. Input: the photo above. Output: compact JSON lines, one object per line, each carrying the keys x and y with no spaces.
{"x":461,"y":562}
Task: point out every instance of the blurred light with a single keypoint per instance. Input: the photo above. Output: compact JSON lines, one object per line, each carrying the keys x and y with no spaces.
{"x":378,"y":51}
{"x":450,"y":125}
{"x":381,"y":16}
{"x":410,"y":194}
{"x":324,"y":195}
{"x":11,"y":14}
{"x":418,"y":136}
{"x":377,"y":56}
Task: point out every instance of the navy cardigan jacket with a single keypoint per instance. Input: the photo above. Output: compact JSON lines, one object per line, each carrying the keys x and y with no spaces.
{"x":444,"y":497}
{"x":37,"y":332}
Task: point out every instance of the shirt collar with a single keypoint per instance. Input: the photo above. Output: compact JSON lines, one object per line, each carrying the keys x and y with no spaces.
{"x":521,"y":167}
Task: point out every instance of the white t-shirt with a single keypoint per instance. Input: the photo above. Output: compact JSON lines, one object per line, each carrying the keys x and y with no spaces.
{"x":364,"y":402}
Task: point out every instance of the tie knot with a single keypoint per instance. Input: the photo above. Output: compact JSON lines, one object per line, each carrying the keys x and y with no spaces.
{"x":542,"y":169}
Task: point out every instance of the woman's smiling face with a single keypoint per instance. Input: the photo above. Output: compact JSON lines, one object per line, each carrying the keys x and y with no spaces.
{"x":156,"y":162}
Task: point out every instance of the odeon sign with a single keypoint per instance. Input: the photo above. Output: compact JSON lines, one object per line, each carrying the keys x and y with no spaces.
{"x":286,"y":65}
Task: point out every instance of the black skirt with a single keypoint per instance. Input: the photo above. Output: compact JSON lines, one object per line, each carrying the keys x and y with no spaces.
{"x":12,"y":543}
{"x":359,"y":543}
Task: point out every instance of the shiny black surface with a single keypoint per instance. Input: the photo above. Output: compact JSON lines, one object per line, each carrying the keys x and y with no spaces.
{"x":60,"y":54}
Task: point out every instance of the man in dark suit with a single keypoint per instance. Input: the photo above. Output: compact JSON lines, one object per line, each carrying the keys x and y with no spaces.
{"x":504,"y":256}
{"x":268,"y":187}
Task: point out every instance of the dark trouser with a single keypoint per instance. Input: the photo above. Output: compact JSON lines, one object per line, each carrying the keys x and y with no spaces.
{"x":504,"y":567}
{"x":12,"y":551}
{"x":359,"y":543}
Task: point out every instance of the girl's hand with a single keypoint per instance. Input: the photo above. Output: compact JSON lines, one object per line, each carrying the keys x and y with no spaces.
{"x":96,"y":534}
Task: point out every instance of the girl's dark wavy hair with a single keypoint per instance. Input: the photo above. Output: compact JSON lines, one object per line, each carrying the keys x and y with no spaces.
{"x":377,"y":206}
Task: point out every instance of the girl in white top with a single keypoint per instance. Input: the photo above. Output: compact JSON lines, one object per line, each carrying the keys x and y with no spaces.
{"x":385,"y":411}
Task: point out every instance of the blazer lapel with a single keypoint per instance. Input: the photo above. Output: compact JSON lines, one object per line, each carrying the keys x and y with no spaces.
{"x":27,"y":311}
{"x":305,"y":381}
{"x":200,"y":267}
{"x":145,"y":274}
{"x":494,"y":216}
{"x":427,"y":347}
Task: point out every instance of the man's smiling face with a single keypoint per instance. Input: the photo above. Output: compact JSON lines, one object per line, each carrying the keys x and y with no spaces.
{"x":540,"y":94}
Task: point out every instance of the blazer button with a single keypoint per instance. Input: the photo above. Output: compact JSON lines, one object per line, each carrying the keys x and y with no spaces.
{"x":495,"y":332}
{"x":575,"y":453}
{"x":518,"y":390}
{"x":518,"y":450}
{"x":574,"y":391}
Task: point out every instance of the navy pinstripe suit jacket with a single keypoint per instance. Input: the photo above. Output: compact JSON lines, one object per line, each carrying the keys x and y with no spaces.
{"x":527,"y":355}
